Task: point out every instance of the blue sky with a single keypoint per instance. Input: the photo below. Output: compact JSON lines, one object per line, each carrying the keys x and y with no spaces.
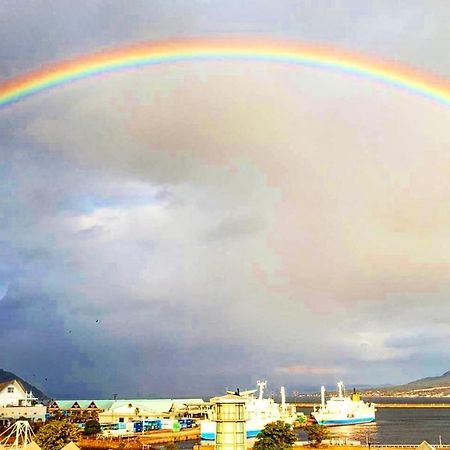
{"x":182,"y":229}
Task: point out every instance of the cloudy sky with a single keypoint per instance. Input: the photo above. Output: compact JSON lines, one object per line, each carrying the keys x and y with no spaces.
{"x":178,"y":230}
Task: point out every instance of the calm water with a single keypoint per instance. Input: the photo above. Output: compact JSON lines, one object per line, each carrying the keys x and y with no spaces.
{"x":399,"y":426}
{"x":393,"y":425}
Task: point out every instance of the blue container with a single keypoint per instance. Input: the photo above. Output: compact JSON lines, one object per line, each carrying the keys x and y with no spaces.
{"x":152,"y":425}
{"x":138,"y":427}
{"x":185,"y":423}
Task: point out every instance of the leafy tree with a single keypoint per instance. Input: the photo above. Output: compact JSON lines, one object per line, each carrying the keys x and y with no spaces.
{"x":92,"y":427}
{"x":275,"y":436}
{"x":316,"y":433}
{"x":56,"y":434}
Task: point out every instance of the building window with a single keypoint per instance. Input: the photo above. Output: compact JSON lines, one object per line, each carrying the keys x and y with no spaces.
{"x":10,"y":389}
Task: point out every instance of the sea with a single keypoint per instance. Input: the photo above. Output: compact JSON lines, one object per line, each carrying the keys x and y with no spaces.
{"x":399,"y":425}
{"x":393,"y":425}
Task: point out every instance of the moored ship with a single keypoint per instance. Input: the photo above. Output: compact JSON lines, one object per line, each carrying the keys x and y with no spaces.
{"x":260,"y":412}
{"x":343,"y":410}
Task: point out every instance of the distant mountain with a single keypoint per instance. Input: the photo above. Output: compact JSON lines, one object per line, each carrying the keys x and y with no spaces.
{"x":429,"y":382}
{"x":425,"y":387}
{"x":6,"y":376}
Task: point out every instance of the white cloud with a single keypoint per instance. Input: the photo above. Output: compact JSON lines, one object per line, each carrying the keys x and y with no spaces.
{"x":270,"y":214}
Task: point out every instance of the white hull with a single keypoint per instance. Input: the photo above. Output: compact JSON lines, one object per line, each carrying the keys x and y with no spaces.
{"x":343,"y":410}
{"x":253,"y":427}
{"x":260,"y":412}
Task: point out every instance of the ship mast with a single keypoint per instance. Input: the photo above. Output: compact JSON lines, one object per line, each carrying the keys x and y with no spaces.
{"x":341,"y":391}
{"x":261,"y":385}
{"x":283,"y":399}
{"x":322,"y":396}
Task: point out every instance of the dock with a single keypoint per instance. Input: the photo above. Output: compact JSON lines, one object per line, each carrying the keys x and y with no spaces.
{"x":140,"y":441}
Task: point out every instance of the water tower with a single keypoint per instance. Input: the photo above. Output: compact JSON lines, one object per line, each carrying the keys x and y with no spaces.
{"x":231,"y":416}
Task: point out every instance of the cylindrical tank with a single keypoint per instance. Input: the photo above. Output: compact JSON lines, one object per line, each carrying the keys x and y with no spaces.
{"x":231,"y":417}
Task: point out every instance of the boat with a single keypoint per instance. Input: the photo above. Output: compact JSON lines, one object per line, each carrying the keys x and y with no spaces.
{"x":343,"y":410}
{"x":260,"y":411}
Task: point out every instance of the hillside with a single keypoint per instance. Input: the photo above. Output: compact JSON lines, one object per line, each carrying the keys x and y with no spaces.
{"x":425,"y":387}
{"x":6,"y":376}
{"x":429,"y":382}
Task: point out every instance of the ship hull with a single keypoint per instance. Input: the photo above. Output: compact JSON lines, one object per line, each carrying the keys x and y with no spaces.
{"x":346,"y":421}
{"x":211,"y":436}
{"x":208,"y":430}
{"x":253,"y":428}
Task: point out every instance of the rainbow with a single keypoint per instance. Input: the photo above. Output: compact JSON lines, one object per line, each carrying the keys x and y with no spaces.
{"x":170,"y":52}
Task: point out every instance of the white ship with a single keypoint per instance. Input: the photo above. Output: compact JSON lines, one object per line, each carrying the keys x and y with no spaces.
{"x":260,"y":412}
{"x":342,"y":410}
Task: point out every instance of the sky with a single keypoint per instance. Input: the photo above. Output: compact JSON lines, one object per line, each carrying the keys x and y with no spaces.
{"x":183,"y":229}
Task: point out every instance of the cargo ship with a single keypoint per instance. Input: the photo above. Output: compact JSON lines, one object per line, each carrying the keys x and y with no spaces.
{"x":343,"y":410}
{"x":260,"y":412}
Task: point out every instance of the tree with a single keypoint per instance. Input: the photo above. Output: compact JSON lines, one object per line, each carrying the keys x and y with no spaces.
{"x":275,"y":436}
{"x":56,"y":434}
{"x":92,"y":427}
{"x":316,"y":433}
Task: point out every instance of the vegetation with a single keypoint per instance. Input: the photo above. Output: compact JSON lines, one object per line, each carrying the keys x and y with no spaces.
{"x":56,"y":434}
{"x":92,"y":427}
{"x":316,"y":434}
{"x":275,"y":436}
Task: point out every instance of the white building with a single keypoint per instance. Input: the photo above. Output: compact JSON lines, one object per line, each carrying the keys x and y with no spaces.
{"x":139,"y":409}
{"x":16,"y":403}
{"x":13,"y":393}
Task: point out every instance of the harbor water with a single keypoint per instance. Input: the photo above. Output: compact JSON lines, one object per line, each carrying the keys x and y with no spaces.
{"x":397,"y":426}
{"x":393,"y":425}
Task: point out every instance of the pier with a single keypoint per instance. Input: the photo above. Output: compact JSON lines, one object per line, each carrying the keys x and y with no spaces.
{"x":135,"y":441}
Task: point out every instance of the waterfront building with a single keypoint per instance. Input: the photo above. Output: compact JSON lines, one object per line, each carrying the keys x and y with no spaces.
{"x":18,"y":403}
{"x":14,"y":393}
{"x":138,"y":409}
{"x":78,"y":408}
{"x":112,"y":411}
